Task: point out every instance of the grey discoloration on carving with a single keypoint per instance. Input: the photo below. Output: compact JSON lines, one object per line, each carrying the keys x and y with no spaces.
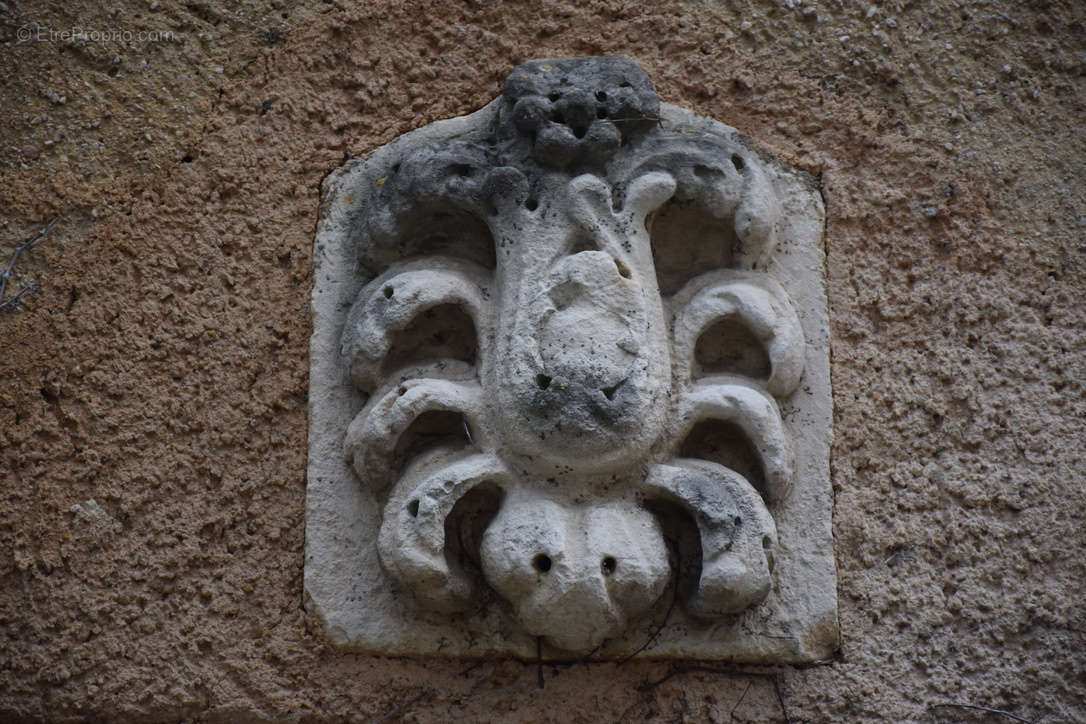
{"x":569,"y":364}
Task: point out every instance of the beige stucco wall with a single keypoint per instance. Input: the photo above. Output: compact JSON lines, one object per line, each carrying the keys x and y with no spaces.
{"x":161,"y":370}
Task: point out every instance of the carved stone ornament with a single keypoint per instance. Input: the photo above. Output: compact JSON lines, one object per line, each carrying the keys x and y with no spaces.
{"x":570,"y":390}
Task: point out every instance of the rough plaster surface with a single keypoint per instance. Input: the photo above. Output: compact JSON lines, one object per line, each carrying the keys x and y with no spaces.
{"x":161,"y":371}
{"x":583,"y":405}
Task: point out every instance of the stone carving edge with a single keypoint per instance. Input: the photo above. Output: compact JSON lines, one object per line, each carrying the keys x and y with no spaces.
{"x":344,"y":582}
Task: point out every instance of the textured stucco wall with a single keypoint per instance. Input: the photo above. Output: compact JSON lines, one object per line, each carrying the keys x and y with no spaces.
{"x":161,"y":370}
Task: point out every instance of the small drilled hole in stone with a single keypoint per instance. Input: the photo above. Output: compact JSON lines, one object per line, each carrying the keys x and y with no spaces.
{"x":625,"y":84}
{"x":462,"y":169}
{"x":737,"y":161}
{"x":531,"y":204}
{"x":608,"y":565}
{"x":542,"y":562}
{"x":395,"y":168}
{"x":580,"y":131}
{"x":601,"y":96}
{"x":737,"y":521}
{"x":543,"y":381}
{"x":388,"y":292}
{"x":413,"y":508}
{"x":402,"y":391}
{"x":554,"y":96}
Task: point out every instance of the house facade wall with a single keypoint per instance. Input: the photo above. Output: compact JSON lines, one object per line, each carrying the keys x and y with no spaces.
{"x":153,"y":390}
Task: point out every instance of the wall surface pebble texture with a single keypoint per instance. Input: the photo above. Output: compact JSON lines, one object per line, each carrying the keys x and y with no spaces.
{"x":153,"y":386}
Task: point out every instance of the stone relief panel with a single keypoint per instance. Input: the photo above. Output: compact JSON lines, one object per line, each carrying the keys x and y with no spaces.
{"x":569,"y":386}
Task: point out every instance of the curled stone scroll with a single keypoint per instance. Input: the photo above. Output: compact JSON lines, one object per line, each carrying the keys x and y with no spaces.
{"x":570,"y":391}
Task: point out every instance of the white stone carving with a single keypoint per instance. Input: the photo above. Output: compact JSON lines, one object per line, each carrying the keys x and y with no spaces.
{"x":570,"y":391}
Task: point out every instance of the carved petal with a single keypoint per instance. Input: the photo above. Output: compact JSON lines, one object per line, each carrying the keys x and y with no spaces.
{"x":737,"y":534}
{"x":455,"y":175}
{"x":575,"y":574}
{"x":393,"y":300}
{"x":723,"y":178}
{"x":618,"y":232}
{"x":759,"y":303}
{"x":371,"y":439}
{"x":590,"y":199}
{"x":411,"y":543}
{"x":756,"y":219}
{"x":758,"y":416}
{"x":646,"y":194}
